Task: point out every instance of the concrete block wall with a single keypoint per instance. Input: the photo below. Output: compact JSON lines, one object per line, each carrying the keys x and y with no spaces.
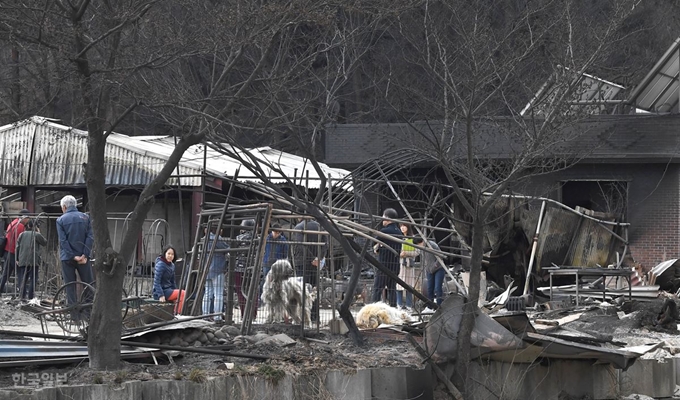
{"x":386,"y":383}
{"x":492,"y":380}
{"x":577,"y":378}
{"x":649,"y":377}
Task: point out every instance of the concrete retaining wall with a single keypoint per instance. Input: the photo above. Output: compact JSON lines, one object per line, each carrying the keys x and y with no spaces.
{"x":491,"y":380}
{"x":577,"y":378}
{"x":386,"y":383}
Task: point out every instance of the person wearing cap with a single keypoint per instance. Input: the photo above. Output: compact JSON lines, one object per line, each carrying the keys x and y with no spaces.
{"x":308,"y":251}
{"x":14,"y":229}
{"x":275,"y":248}
{"x":75,"y":244}
{"x":28,"y":259}
{"x":389,"y":257}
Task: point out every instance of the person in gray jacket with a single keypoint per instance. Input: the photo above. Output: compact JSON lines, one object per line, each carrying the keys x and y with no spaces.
{"x":28,"y":259}
{"x":433,"y":269}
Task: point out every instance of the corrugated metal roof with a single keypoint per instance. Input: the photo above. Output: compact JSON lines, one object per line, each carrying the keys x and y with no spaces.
{"x":37,"y":151}
{"x":217,"y":164}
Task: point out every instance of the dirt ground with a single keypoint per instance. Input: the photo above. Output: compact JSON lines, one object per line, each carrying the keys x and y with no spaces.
{"x":303,"y":358}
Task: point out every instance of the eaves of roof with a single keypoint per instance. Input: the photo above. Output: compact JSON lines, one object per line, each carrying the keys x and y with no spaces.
{"x":614,"y":138}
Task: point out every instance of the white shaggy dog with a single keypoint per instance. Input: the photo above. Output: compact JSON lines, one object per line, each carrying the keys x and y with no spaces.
{"x":283,"y":294}
{"x":375,"y":314}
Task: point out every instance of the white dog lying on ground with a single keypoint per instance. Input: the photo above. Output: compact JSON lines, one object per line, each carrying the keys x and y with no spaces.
{"x":375,"y":314}
{"x":282,"y":293}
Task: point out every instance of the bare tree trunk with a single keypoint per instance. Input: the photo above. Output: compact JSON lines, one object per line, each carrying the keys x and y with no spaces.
{"x":103,"y":341}
{"x":105,"y":319}
{"x":470,"y":309}
{"x":344,"y":311}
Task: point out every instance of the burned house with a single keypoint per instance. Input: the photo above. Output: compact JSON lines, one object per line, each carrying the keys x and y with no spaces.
{"x":624,"y":167}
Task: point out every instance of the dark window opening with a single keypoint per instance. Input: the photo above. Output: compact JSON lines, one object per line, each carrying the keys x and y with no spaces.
{"x":609,"y":197}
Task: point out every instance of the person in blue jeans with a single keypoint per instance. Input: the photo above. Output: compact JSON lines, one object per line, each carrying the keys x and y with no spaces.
{"x":213,"y":297}
{"x":275,"y":248}
{"x":434,"y":271}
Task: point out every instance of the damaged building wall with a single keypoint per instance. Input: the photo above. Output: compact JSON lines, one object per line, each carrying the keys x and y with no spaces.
{"x":653,"y":203}
{"x":639,"y":150}
{"x":570,"y":239}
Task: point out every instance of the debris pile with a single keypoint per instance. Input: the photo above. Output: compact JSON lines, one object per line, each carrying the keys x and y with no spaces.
{"x":199,"y":336}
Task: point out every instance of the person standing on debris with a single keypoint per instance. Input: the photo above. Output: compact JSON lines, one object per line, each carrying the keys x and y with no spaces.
{"x":244,"y":241}
{"x":164,"y":286}
{"x":14,"y":229}
{"x":388,"y":257}
{"x":275,"y":248}
{"x":434,"y":271}
{"x":28,"y":259}
{"x":213,"y":296}
{"x":75,"y":244}
{"x":407,"y":271}
{"x":308,"y":253}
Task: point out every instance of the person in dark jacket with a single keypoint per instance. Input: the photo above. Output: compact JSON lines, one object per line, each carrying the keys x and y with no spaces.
{"x":164,"y":287}
{"x":75,"y":244}
{"x":213,"y":296}
{"x":28,"y":259}
{"x":308,"y":251}
{"x":14,"y":229}
{"x":389,"y":257}
{"x":275,"y":248}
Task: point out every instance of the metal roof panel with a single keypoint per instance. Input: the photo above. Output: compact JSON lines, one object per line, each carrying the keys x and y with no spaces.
{"x":38,"y":151}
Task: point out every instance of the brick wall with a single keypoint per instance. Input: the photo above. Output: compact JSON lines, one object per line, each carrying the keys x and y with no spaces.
{"x":654,"y":204}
